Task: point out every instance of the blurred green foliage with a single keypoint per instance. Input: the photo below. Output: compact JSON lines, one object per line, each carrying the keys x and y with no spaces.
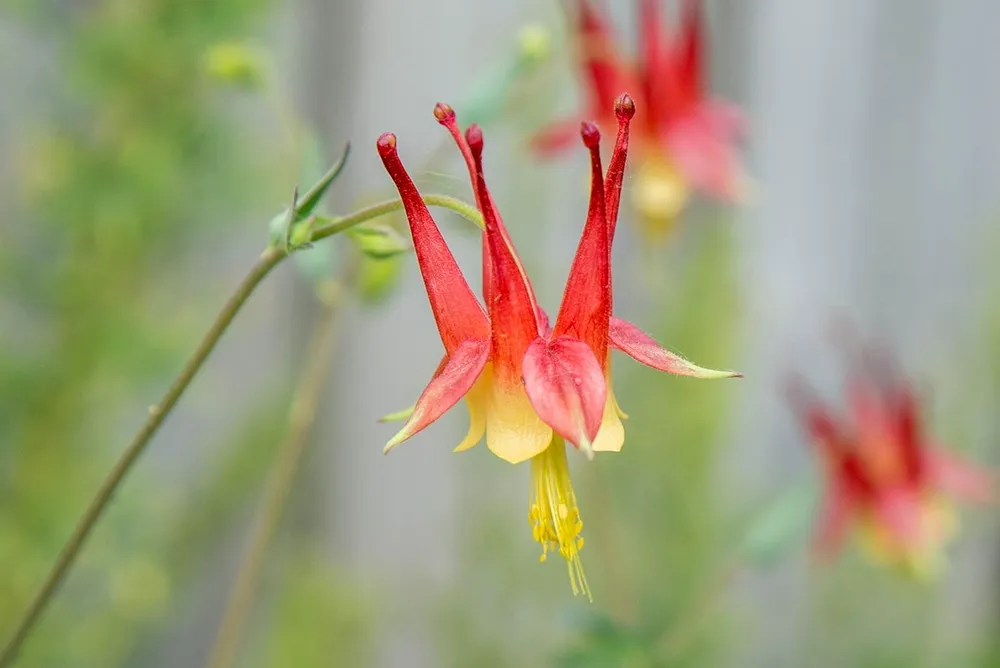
{"x":318,"y":618}
{"x":122,"y":180}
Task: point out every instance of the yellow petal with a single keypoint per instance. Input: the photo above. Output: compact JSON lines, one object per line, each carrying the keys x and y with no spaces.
{"x":514,"y":432}
{"x":477,"y":400}
{"x":618,"y":409}
{"x":611,"y":436}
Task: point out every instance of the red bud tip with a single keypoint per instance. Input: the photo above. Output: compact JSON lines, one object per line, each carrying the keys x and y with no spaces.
{"x":474,"y":137}
{"x":387,"y":144}
{"x":591,"y":135}
{"x":444,"y":113}
{"x":624,"y":107}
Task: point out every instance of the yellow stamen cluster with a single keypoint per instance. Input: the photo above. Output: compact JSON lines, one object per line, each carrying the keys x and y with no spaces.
{"x":554,"y":515}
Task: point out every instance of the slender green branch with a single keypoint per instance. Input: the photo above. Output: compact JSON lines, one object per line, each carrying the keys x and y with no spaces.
{"x":302,"y":416}
{"x":158,"y":413}
{"x":337,"y":225}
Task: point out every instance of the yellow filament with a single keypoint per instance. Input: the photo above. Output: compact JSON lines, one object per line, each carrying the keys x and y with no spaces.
{"x":554,"y":516}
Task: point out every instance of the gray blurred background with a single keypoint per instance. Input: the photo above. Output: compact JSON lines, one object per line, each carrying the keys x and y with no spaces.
{"x":138,"y":193}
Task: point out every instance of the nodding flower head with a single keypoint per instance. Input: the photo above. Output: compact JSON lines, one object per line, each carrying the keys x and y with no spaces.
{"x":531,"y":387}
{"x":885,"y":475}
{"x":685,"y":140}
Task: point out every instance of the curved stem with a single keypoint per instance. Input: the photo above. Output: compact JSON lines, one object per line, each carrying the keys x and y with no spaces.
{"x":158,"y":413}
{"x":309,"y":389}
{"x":337,"y":225}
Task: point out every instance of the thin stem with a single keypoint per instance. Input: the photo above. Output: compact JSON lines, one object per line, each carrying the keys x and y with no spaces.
{"x":158,"y":413}
{"x":337,"y":225}
{"x":319,"y":354}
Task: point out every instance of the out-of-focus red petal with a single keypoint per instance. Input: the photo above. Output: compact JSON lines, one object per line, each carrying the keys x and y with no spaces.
{"x":900,"y":511}
{"x":586,"y":302}
{"x":624,"y":111}
{"x":834,"y":519}
{"x":706,"y":158}
{"x":726,"y":120}
{"x":450,"y":383}
{"x":555,"y":137}
{"x":839,"y":456}
{"x":641,"y":347}
{"x":690,"y":51}
{"x":606,"y":73}
{"x":457,"y":312}
{"x":653,"y":52}
{"x":909,"y":438}
{"x":566,"y":387}
{"x":953,"y":475}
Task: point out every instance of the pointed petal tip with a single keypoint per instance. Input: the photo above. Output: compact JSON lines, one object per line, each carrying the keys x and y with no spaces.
{"x":394,"y":441}
{"x":713,"y":374}
{"x":591,"y":134}
{"x":624,"y":107}
{"x":444,"y":113}
{"x":641,"y":347}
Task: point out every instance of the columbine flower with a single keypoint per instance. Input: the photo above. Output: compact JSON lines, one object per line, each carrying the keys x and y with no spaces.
{"x":685,"y":140}
{"x":891,"y":480}
{"x":530,"y":387}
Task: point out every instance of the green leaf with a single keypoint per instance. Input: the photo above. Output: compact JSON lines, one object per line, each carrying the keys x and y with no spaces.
{"x":782,"y":524}
{"x":377,"y":278}
{"x":307,"y":203}
{"x":283,"y":227}
{"x":378,"y":241}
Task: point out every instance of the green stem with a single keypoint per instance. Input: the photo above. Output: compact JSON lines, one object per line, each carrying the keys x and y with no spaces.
{"x":158,"y":413}
{"x":337,"y":225}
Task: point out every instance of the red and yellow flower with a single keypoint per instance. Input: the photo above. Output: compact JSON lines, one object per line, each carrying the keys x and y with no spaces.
{"x":530,"y":387}
{"x":888,"y":478}
{"x":685,"y":140}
